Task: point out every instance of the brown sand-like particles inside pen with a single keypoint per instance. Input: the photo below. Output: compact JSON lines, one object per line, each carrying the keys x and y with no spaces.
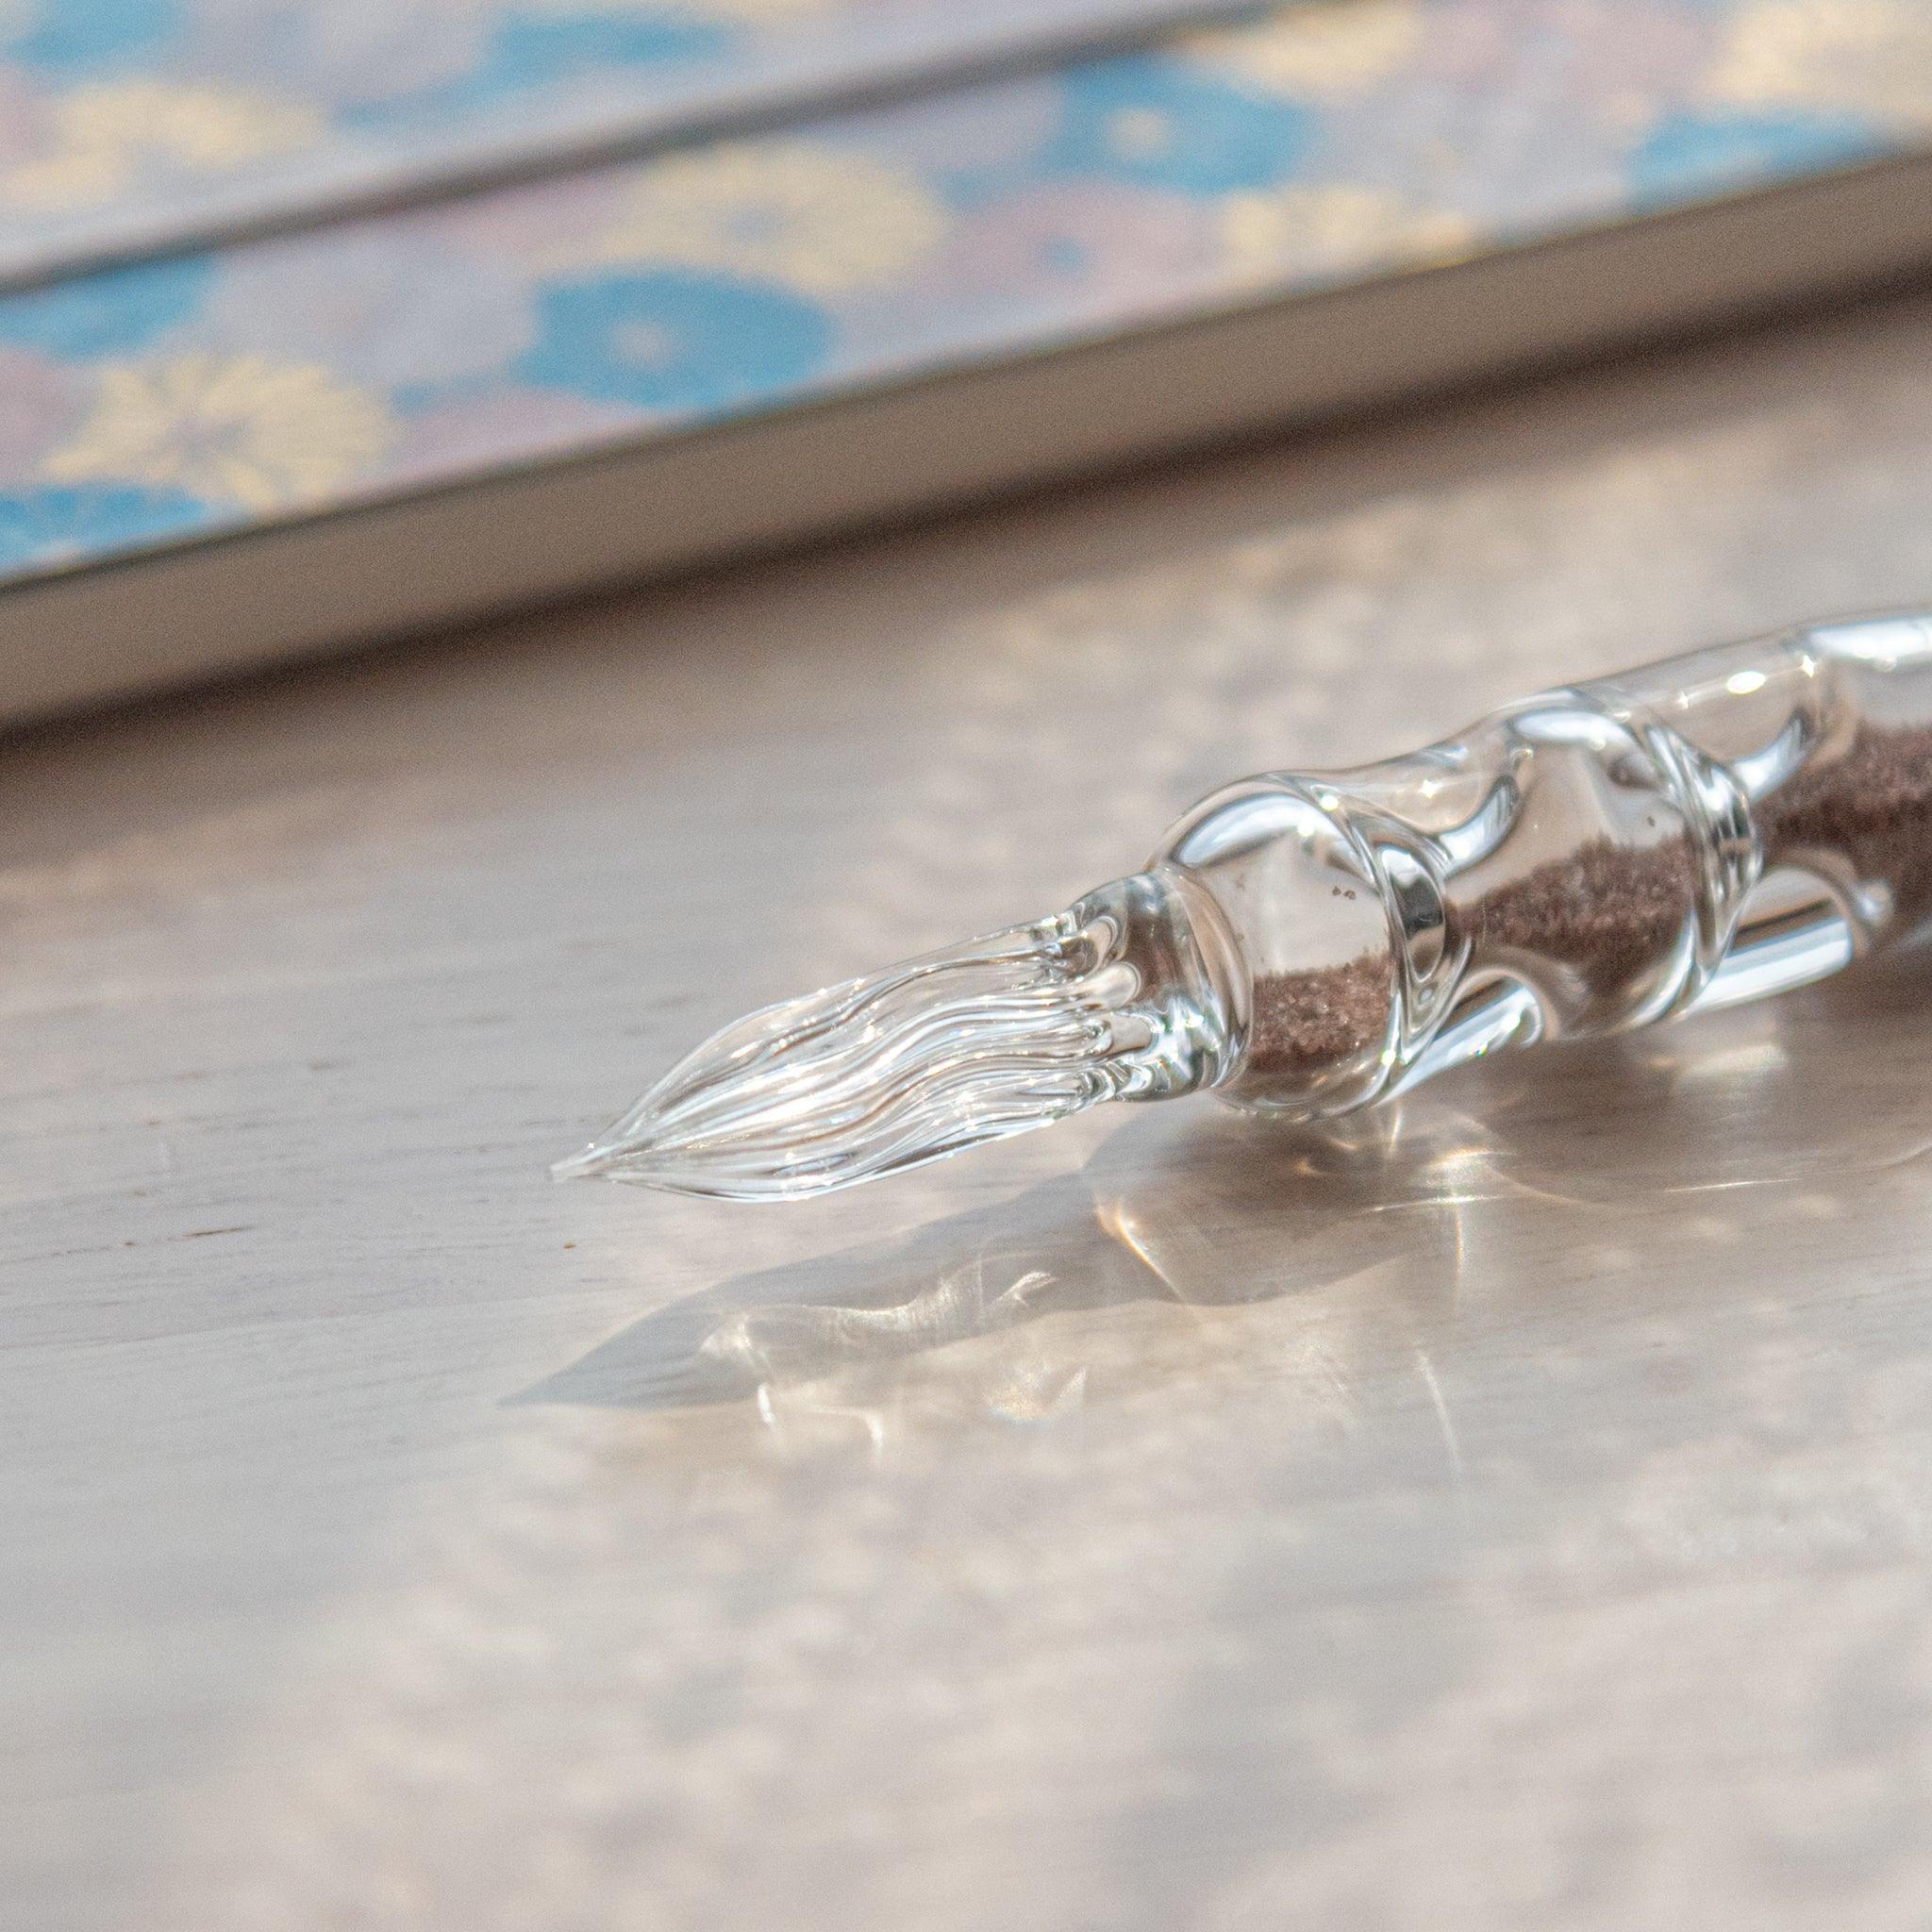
{"x":1607,"y":912}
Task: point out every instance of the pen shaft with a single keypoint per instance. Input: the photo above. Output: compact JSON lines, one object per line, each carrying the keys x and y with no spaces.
{"x":1715,"y":827}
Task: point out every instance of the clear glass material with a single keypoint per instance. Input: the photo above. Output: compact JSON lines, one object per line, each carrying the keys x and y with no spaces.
{"x":1602,"y":857}
{"x":1715,"y":827}
{"x":1109,"y":1000}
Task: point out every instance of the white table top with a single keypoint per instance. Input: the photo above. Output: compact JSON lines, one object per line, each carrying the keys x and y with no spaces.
{"x":1517,"y":1519}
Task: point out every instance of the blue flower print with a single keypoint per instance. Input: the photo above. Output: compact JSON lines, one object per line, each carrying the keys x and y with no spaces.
{"x":673,"y":342}
{"x":1691,"y":153}
{"x":105,"y":314}
{"x":527,"y":52}
{"x":82,"y":39}
{"x":47,"y":527}
{"x":1158,"y":124}
{"x":535,"y":48}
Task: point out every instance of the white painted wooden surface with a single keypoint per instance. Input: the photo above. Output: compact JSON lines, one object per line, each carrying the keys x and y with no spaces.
{"x":1518,"y":1521}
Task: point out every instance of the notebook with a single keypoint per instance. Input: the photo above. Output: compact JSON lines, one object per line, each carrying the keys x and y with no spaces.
{"x":147,"y":124}
{"x":250,"y":406}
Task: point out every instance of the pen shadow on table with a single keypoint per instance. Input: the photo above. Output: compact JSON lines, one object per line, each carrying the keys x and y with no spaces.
{"x":1730,"y":1121}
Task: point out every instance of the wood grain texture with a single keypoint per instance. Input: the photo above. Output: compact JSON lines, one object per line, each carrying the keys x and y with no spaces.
{"x":1517,"y":1519}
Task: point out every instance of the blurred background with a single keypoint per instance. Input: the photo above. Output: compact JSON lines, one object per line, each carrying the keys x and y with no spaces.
{"x":289,"y":276}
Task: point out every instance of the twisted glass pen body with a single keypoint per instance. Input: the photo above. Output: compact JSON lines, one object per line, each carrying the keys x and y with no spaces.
{"x":1709,"y":829}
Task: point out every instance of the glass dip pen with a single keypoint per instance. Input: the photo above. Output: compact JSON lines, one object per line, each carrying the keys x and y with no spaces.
{"x":1605,"y":856}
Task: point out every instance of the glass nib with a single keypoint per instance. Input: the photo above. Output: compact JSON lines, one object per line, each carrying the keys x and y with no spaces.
{"x":881,"y":1074}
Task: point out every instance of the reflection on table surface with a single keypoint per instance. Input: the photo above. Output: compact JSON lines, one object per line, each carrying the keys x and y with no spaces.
{"x":1729,"y":1145}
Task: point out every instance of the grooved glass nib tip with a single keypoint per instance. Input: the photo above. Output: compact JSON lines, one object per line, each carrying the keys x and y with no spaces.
{"x":983,"y":1039}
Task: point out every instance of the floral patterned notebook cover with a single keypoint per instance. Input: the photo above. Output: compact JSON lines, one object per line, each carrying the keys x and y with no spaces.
{"x":126,"y":124}
{"x":197,"y":394}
